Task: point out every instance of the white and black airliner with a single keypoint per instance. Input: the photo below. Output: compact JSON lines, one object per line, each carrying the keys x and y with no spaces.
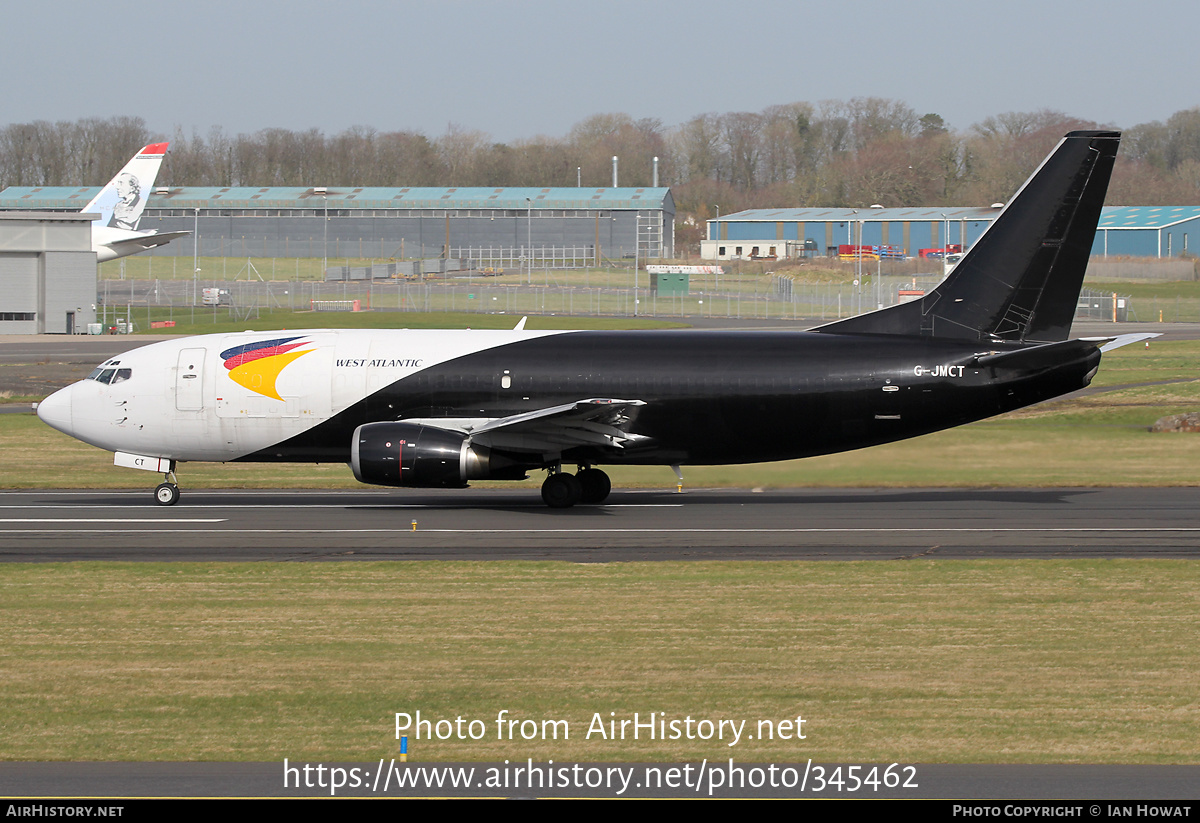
{"x":441,"y":408}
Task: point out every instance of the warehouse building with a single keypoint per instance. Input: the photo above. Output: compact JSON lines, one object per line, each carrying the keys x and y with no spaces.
{"x":1139,"y":231}
{"x":47,"y":273}
{"x":779,"y":233}
{"x":563,"y":227}
{"x":1147,"y":231}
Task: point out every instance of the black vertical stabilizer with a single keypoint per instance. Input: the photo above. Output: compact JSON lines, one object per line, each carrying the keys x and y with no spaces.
{"x":1021,"y":279}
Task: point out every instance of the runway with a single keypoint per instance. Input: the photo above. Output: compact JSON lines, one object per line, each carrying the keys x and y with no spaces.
{"x":701,"y":524}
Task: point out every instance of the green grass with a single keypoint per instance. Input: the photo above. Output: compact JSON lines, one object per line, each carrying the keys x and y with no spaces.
{"x":1161,"y":289}
{"x":221,"y":322}
{"x":1171,"y":301}
{"x":143,"y":267}
{"x":1088,"y":661}
{"x":1072,"y":446}
{"x":1098,"y":439}
{"x":924,"y":661}
{"x":1141,"y":363}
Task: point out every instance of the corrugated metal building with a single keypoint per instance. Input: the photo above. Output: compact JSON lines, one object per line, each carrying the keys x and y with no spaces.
{"x":784,"y":232}
{"x":1140,"y":231}
{"x":1147,"y":231}
{"x":480,"y":223}
{"x":47,"y":273}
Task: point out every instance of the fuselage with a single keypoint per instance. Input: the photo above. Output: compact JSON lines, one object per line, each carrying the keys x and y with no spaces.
{"x":709,"y":397}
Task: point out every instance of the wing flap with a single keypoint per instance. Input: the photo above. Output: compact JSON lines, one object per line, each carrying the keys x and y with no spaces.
{"x":596,"y":421}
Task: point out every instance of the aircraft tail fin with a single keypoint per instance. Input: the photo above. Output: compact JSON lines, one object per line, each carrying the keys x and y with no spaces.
{"x":121,"y":202}
{"x":1020,"y":281}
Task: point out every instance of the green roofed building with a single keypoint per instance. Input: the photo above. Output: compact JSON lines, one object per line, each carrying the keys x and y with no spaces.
{"x":493,"y":226}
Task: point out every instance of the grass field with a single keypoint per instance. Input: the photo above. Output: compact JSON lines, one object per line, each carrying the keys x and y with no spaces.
{"x":1028,"y":661}
{"x":395,"y":320}
{"x":1096,"y":439}
{"x":739,"y":275}
{"x":922,"y":661}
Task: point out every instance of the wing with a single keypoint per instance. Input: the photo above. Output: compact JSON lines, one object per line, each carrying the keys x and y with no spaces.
{"x":600,"y":422}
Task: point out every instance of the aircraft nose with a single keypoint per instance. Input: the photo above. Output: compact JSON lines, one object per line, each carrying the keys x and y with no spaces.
{"x":55,"y":410}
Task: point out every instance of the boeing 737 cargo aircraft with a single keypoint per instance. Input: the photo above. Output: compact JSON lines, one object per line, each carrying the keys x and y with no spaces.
{"x":120,"y":206}
{"x":441,"y":408}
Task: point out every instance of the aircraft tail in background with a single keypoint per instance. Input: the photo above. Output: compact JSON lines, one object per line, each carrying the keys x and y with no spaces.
{"x":120,"y":203}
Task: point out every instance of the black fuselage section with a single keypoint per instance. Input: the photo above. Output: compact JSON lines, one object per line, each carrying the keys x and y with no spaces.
{"x":714,"y":397}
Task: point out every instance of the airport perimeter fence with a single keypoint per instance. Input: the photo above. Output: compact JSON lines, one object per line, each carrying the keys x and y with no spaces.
{"x":777,"y":299}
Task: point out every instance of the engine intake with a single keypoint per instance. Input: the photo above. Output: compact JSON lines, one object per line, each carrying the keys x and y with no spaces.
{"x":407,"y":454}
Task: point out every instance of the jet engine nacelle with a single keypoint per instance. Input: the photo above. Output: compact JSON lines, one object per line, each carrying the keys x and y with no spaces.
{"x":408,"y":454}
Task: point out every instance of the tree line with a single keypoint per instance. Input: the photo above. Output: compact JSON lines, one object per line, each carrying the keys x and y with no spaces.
{"x":850,"y":153}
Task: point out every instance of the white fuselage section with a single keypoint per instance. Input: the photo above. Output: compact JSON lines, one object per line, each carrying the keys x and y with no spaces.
{"x":222,"y":396}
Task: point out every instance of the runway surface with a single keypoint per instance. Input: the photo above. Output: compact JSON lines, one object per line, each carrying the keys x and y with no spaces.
{"x":713,"y":524}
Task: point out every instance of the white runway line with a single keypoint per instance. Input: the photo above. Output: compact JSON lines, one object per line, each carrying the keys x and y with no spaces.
{"x":112,"y":520}
{"x":404,"y":529}
{"x":143,"y":507}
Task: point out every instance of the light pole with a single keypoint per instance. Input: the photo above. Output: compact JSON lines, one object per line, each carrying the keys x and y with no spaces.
{"x":325,"y":238}
{"x":529,"y":239}
{"x":857,"y":257}
{"x":879,"y":279}
{"x":579,"y":177}
{"x":195,"y":258}
{"x":945,"y":242}
{"x":636,"y":229}
{"x":717,"y":277}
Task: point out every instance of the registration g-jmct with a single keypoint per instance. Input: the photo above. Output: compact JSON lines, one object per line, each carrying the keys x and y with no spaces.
{"x":939,"y":371}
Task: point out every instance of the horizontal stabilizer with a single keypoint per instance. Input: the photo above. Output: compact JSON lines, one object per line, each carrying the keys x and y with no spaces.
{"x":1034,"y":358}
{"x":141,"y":242}
{"x":1117,"y":341}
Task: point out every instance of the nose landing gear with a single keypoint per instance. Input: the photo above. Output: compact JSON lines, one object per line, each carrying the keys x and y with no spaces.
{"x":167,"y":494}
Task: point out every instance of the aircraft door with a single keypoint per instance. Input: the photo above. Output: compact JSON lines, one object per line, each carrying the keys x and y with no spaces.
{"x":189,"y":380}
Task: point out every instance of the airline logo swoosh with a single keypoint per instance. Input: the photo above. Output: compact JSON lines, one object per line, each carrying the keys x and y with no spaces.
{"x":257,"y":365}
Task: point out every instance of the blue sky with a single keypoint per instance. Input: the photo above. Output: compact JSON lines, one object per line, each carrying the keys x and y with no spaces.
{"x":519,"y":69}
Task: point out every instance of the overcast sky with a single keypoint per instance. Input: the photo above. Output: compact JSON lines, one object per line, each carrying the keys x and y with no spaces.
{"x":523,"y":68}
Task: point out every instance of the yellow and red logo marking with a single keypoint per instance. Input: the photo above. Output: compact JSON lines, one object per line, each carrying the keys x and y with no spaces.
{"x":257,"y":365}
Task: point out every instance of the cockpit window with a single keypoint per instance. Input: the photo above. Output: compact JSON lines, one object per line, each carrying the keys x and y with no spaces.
{"x":105,"y":373}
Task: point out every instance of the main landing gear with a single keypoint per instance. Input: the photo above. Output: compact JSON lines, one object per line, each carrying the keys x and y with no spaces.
{"x":167,"y":494}
{"x":561,"y":490}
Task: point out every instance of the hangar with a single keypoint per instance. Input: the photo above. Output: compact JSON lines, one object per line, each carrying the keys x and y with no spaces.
{"x":777,"y":233}
{"x":1147,"y":231}
{"x":1136,"y":231}
{"x":564,"y":227}
{"x":47,"y":273}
